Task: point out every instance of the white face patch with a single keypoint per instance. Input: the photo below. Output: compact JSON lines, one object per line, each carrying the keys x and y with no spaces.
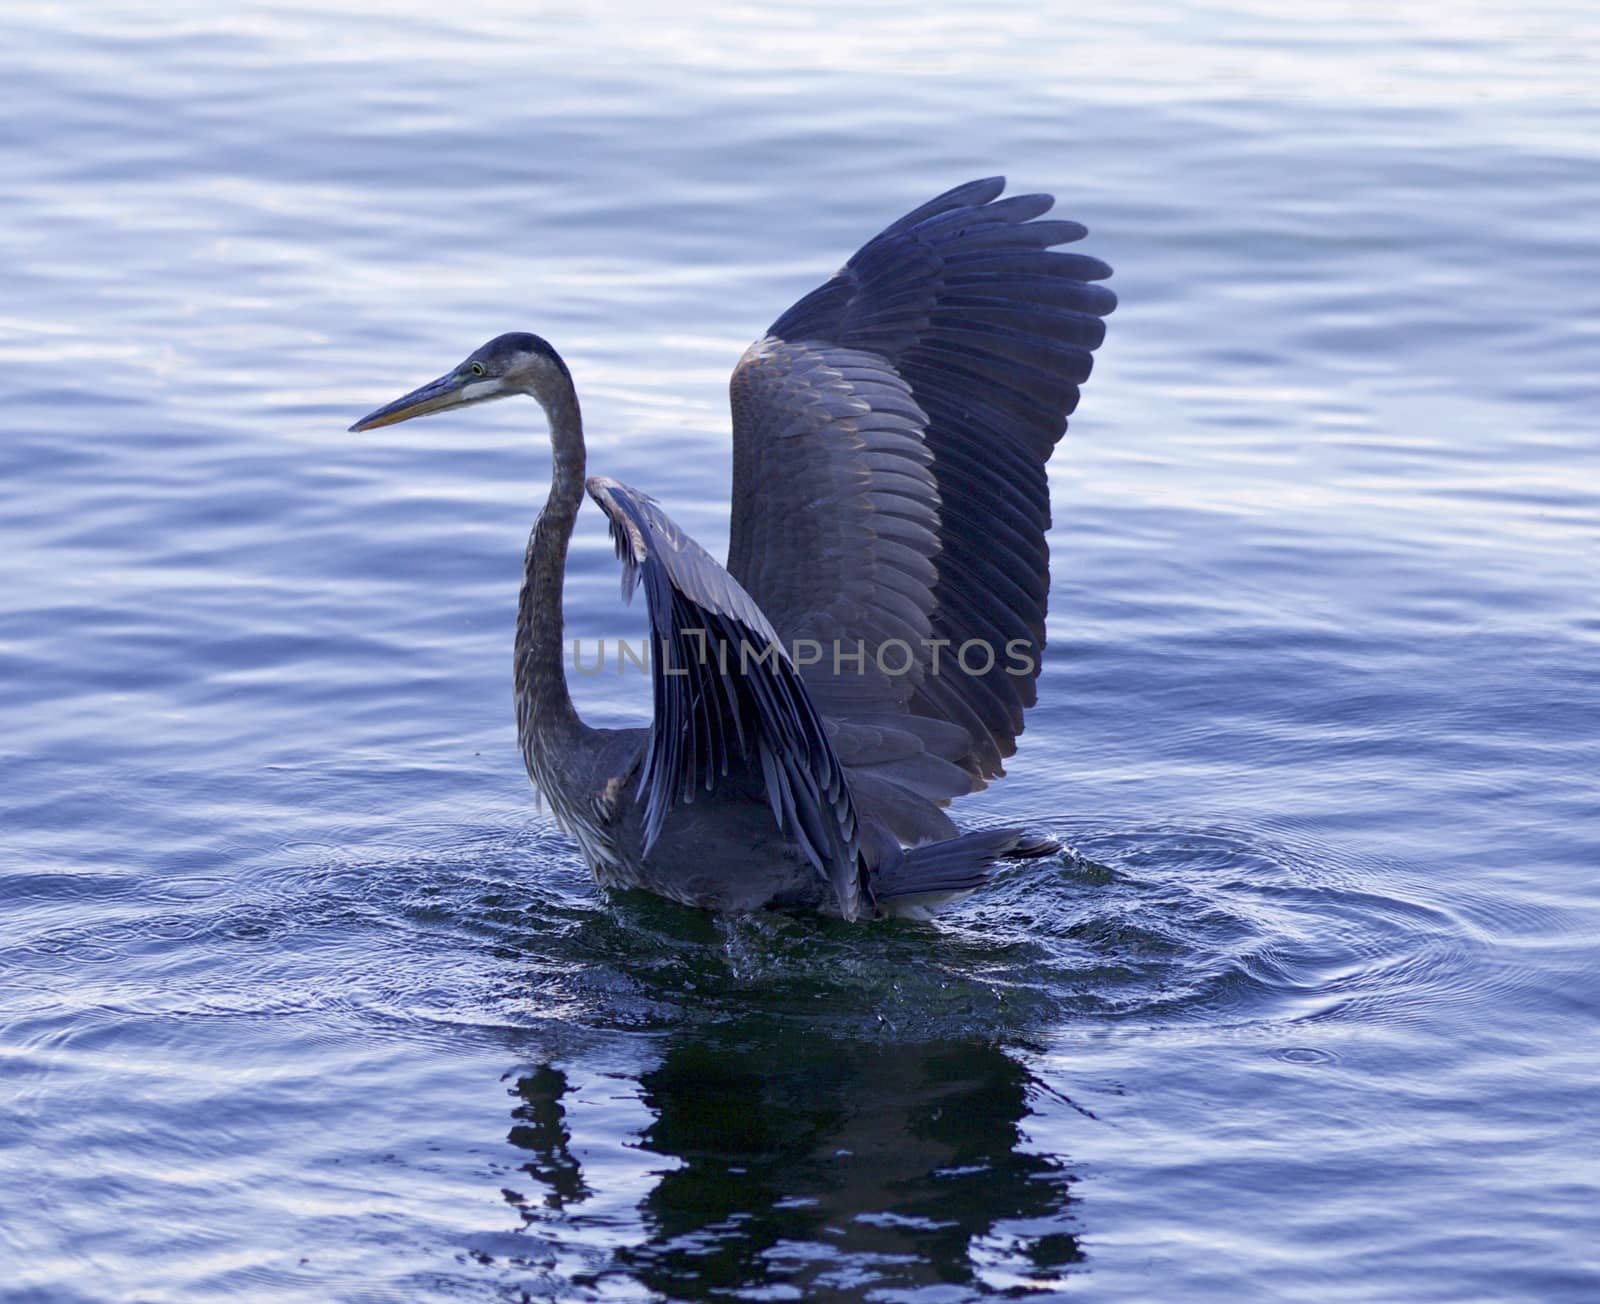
{"x":481,"y":389}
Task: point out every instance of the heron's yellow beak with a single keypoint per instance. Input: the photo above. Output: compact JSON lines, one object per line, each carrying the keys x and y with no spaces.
{"x":449,"y":391}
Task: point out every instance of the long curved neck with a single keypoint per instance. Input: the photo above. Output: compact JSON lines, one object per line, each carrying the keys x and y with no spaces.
{"x":545,"y":714}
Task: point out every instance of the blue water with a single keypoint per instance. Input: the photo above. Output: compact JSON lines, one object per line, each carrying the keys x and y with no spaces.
{"x":304,"y":999}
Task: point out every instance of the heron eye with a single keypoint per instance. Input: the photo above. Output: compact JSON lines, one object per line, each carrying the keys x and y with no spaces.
{"x":477,"y":368}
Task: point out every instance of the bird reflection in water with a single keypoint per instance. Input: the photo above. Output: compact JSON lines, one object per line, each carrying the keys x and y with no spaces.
{"x":824,"y":1166}
{"x":542,"y":1128}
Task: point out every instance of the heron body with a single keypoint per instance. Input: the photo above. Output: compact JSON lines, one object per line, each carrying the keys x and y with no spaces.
{"x":890,"y":435}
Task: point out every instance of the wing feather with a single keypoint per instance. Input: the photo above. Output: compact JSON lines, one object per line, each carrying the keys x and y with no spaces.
{"x":728,"y":699}
{"x":890,"y":439}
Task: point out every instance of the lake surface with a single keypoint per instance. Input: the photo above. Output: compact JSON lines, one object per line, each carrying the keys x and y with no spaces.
{"x":302,"y":996}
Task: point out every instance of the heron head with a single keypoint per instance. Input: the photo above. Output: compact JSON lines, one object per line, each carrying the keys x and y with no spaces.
{"x":517,"y":363}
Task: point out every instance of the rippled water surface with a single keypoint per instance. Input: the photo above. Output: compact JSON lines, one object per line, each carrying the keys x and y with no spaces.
{"x":302,"y":996}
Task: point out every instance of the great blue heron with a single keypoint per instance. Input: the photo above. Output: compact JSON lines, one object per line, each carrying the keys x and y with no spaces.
{"x":869,"y":650}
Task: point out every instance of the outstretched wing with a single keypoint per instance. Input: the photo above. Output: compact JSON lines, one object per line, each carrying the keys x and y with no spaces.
{"x":890,"y":439}
{"x":728,"y":700}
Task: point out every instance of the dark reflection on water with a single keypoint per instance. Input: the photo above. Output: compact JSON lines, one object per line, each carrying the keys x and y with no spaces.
{"x":542,"y":1129}
{"x":827,"y":1166}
